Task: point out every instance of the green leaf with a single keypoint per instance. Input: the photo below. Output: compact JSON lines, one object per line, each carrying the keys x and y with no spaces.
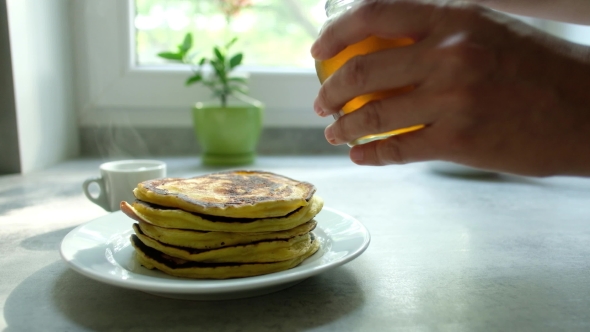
{"x":231,"y":42}
{"x":239,"y":89}
{"x":238,"y":79}
{"x":194,"y":79}
{"x":218,"y":54}
{"x":214,"y":63}
{"x":219,"y":68}
{"x":219,"y":72}
{"x":236,"y":60}
{"x":187,"y":43}
{"x":202,"y":61}
{"x":170,"y":56}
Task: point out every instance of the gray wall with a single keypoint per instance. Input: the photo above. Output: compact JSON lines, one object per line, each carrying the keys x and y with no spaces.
{"x":9,"y":152}
{"x":42,"y":68}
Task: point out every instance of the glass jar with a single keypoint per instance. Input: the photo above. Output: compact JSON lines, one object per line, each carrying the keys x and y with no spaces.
{"x":371,"y":44}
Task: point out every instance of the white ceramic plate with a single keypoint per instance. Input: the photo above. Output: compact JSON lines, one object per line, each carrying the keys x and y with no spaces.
{"x":100,"y":249}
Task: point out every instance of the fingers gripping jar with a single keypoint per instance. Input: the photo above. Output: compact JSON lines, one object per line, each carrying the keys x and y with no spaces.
{"x":371,"y":44}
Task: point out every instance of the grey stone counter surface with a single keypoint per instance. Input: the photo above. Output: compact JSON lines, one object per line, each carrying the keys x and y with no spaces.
{"x":448,"y":253}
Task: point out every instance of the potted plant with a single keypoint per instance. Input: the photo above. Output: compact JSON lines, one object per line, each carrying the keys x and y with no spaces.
{"x":227,"y":128}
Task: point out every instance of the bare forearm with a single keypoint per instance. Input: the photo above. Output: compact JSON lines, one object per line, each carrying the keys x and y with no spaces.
{"x":572,"y":11}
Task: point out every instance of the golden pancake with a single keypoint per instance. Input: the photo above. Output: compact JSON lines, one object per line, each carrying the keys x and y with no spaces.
{"x":177,"y":218}
{"x":258,"y":252}
{"x":153,"y":259}
{"x":237,"y":194}
{"x":213,"y":240}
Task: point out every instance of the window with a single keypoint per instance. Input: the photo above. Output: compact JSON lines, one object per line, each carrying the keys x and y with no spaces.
{"x":117,"y":88}
{"x":273,"y":33}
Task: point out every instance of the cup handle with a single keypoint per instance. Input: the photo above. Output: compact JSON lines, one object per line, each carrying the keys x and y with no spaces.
{"x":101,"y":200}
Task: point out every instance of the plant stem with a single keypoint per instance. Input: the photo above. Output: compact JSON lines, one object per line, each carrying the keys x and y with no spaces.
{"x":223,"y":100}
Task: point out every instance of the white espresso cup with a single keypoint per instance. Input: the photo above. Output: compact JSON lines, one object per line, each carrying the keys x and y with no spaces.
{"x":118,"y":179}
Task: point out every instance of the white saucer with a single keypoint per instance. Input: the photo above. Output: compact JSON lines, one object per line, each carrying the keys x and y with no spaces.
{"x":101,"y":250}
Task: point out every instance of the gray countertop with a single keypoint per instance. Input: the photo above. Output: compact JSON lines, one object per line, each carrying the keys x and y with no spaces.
{"x":500,"y":253}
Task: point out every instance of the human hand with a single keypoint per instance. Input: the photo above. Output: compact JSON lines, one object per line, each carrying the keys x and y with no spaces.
{"x":493,"y":92}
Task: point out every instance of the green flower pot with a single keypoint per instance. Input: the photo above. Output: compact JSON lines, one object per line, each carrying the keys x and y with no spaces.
{"x":228,"y":135}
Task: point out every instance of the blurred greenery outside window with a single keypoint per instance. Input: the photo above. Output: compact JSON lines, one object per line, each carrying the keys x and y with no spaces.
{"x":271,"y":33}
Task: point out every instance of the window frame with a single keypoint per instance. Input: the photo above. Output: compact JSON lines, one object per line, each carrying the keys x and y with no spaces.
{"x":113,"y":91}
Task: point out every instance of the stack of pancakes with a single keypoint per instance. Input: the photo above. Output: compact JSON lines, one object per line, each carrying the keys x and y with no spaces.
{"x":224,"y":225}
